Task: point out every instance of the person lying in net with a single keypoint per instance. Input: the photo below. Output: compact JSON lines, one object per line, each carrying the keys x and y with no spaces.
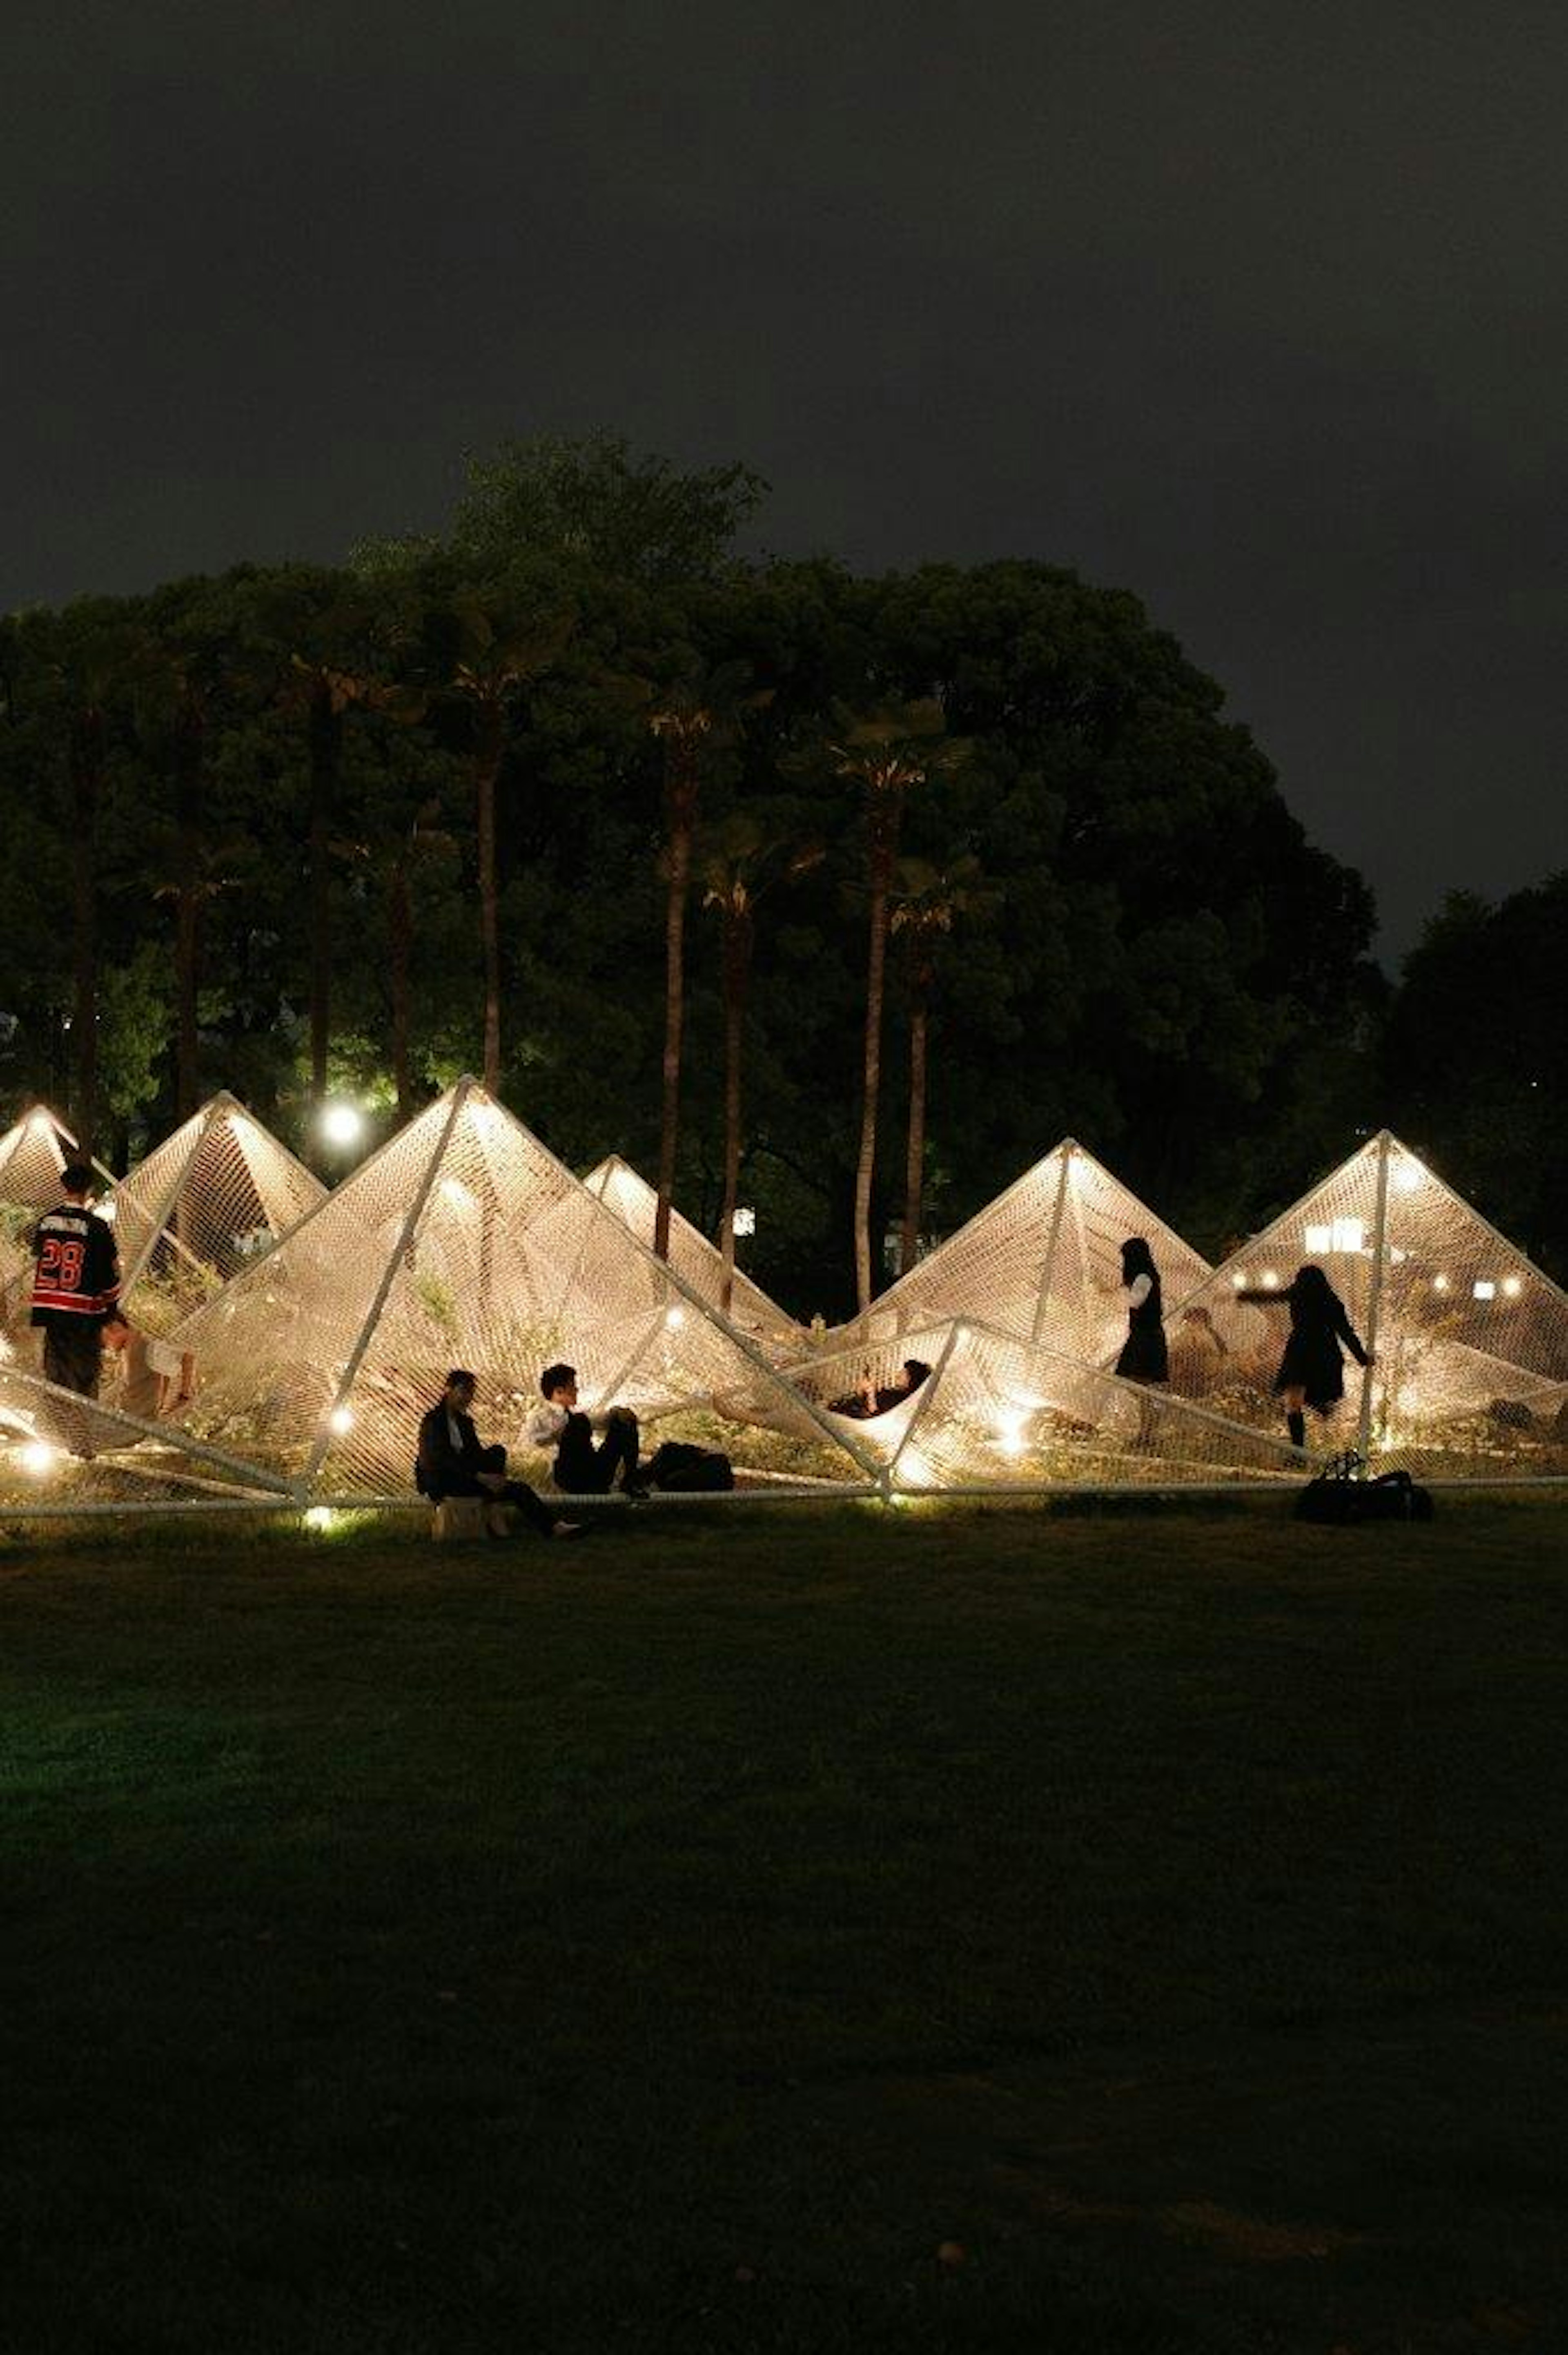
{"x":872,"y":1399}
{"x":452,"y":1463}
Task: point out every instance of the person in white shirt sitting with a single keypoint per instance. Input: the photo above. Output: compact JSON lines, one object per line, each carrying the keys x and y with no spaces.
{"x":582,"y":1468}
{"x":452,"y":1463}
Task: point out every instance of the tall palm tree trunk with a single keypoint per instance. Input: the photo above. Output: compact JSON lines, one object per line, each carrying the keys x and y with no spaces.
{"x":875,"y":981}
{"x":487,"y":773}
{"x":681,"y":804}
{"x":399,"y":943}
{"x":325,"y":733}
{"x":86,"y":763}
{"x":737,"y":974}
{"x":915,"y":1162}
{"x":188,"y":902}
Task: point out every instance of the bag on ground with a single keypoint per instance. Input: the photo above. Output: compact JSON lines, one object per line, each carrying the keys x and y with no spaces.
{"x":681,"y":1469}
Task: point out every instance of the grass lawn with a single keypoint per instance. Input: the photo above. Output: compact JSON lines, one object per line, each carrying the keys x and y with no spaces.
{"x":822,"y":1930}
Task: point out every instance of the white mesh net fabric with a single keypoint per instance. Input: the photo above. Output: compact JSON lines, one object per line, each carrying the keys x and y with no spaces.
{"x":1471,"y":1338}
{"x":698,"y":1262}
{"x":201,"y":1206}
{"x":464,"y":1241}
{"x":1043,"y":1262}
{"x":57,"y":1449}
{"x":996,"y":1412}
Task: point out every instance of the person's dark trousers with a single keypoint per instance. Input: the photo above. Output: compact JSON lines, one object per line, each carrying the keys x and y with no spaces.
{"x":73,"y":1354}
{"x":534,"y":1511}
{"x":583,"y":1469}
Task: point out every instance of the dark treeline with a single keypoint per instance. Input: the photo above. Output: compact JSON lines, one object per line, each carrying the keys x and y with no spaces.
{"x":574,"y":797}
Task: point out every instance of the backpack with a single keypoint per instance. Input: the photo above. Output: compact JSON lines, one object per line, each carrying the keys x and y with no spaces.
{"x":1336,"y":1497}
{"x":681,"y":1469}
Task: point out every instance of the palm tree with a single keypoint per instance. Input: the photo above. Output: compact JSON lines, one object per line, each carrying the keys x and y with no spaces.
{"x":697,"y":715}
{"x":744,"y":858}
{"x":887,"y":750}
{"x":928,"y":899}
{"x":497,"y":662}
{"x":324,"y":688}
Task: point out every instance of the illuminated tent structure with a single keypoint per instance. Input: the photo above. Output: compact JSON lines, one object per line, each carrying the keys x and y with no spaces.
{"x":201,"y":1207}
{"x":1041,"y":1262}
{"x":1471,"y":1338}
{"x":698,"y":1262}
{"x":32,"y":1155}
{"x":65,"y":1453}
{"x":464,"y":1241}
{"x":995,"y":1412}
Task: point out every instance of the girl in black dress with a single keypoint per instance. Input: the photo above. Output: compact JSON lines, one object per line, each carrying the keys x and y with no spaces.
{"x":1312,"y":1371}
{"x":1144,"y":1357}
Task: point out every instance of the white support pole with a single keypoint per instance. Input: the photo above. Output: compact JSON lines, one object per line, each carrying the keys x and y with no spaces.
{"x":1374,"y":1298}
{"x":388,"y":1276}
{"x":932,"y":1384}
{"x":1048,"y":1268}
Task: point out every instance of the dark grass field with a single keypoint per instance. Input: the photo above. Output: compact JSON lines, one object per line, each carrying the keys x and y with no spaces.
{"x":831,"y":1930}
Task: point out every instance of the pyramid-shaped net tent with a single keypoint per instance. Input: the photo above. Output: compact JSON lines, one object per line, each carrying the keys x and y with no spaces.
{"x":32,"y":1156}
{"x":59,"y":1453}
{"x":1041,"y":1262}
{"x":1470,"y":1339}
{"x":464,"y":1241}
{"x":698,"y":1262}
{"x":200,"y":1207}
{"x":994,"y":1412}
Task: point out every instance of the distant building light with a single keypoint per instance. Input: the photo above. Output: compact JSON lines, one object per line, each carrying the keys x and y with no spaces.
{"x":744,"y":1223}
{"x":1484,"y":1290}
{"x":1513,"y":1287}
{"x":1318,"y":1239}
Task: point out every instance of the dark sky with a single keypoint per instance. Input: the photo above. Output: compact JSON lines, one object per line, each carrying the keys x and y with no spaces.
{"x":1256,"y":308}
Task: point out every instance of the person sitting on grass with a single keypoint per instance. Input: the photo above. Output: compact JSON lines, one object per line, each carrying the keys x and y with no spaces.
{"x":452,"y":1463}
{"x":583,"y":1468}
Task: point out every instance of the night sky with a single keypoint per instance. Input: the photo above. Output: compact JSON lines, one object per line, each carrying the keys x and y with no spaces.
{"x":1255,"y":309}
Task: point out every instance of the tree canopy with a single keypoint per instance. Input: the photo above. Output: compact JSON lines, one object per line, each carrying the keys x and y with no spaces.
{"x":1160,"y":961}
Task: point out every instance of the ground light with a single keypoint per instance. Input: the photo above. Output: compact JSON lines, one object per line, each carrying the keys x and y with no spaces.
{"x":38,"y":1458}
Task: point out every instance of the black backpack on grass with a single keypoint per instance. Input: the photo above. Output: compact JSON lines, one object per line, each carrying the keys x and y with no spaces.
{"x":1335,"y":1496}
{"x":681,"y":1469}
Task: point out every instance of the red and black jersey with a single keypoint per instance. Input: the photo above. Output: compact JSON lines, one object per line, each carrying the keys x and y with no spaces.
{"x":78,"y":1268}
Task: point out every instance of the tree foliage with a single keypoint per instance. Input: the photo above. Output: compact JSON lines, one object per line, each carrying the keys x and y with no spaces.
{"x":1158,"y":961}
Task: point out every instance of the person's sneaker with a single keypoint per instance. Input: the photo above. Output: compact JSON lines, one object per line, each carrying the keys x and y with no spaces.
{"x":570,"y":1529}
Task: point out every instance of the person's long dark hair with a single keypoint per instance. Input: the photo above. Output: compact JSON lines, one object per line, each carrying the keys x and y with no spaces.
{"x":1310,"y":1284}
{"x":1136,"y":1260}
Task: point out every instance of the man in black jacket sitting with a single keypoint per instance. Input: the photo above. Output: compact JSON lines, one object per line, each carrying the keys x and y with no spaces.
{"x":451,"y":1462}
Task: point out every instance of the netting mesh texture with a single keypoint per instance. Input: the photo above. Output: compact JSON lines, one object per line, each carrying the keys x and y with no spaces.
{"x":697,"y":1262}
{"x":464,"y":1242}
{"x":1043,"y":1262}
{"x":210,"y":1200}
{"x":995,"y":1412}
{"x":1470,"y":1339}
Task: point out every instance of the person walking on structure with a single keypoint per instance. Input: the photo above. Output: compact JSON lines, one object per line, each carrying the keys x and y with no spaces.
{"x":1144,"y":1356}
{"x":76,"y":1283}
{"x":583,"y":1468}
{"x":451,"y":1462}
{"x":1312,"y":1371}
